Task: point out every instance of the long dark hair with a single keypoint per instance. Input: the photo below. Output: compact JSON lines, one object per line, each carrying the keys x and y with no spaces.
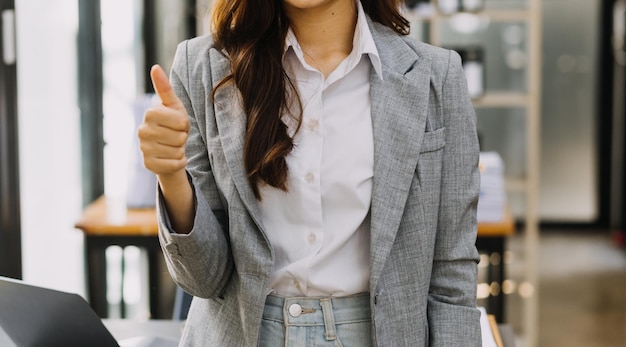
{"x":253,"y":33}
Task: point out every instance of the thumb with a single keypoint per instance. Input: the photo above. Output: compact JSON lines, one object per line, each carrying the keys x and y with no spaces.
{"x":163,"y":88}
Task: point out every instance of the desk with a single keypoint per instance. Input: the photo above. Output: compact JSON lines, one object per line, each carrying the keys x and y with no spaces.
{"x":106,"y":222}
{"x":491,"y":240}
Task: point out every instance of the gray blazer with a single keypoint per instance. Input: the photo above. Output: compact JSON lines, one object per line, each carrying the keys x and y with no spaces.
{"x":423,"y":212}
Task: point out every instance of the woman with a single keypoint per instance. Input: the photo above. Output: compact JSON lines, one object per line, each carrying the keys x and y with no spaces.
{"x":326,"y":194}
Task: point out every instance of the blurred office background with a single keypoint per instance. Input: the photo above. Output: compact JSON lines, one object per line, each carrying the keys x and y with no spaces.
{"x":74,"y":74}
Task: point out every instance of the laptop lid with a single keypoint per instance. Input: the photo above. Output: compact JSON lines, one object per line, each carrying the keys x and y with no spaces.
{"x":33,"y":316}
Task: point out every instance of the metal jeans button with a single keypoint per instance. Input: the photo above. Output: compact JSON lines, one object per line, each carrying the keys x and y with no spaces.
{"x":295,"y":310}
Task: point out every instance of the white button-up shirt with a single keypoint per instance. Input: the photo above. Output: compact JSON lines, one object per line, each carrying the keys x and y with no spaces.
{"x":320,"y":229}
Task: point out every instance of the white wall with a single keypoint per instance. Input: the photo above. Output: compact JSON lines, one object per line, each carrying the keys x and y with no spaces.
{"x":49,"y":128}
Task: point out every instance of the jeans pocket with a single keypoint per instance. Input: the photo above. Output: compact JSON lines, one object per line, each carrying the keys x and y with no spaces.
{"x":354,"y":334}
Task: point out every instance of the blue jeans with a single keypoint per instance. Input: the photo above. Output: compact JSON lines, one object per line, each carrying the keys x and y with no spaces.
{"x":307,"y":322}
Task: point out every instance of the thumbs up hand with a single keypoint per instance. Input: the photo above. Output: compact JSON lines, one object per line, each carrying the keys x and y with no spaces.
{"x":164,"y":131}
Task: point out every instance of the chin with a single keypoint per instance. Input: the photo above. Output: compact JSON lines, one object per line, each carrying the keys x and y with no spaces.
{"x":311,"y":4}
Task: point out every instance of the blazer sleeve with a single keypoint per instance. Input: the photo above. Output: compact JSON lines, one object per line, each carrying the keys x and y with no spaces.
{"x":199,"y":262}
{"x":452,"y":314}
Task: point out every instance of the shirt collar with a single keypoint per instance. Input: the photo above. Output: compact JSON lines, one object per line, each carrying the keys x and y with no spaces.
{"x":362,"y":43}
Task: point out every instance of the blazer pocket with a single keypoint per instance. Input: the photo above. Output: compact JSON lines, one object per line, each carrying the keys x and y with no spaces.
{"x":433,"y":140}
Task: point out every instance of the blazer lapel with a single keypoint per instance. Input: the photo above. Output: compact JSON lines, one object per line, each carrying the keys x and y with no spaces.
{"x":231,"y":122}
{"x":399,"y":111}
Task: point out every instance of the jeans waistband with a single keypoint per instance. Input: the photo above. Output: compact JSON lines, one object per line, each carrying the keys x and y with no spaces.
{"x":313,"y":310}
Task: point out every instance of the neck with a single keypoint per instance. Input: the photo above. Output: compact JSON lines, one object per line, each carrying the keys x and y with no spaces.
{"x":325,"y":33}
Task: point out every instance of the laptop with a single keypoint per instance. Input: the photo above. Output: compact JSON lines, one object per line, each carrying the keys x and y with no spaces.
{"x":33,"y":316}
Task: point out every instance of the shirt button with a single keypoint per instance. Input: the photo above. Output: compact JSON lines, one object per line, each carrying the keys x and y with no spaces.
{"x":312,"y":238}
{"x":295,"y":310}
{"x":309,"y":177}
{"x":313,"y":124}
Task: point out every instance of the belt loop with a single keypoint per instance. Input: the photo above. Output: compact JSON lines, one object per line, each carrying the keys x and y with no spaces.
{"x":329,"y":319}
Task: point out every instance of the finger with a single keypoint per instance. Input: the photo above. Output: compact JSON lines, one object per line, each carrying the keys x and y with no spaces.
{"x":168,"y":118}
{"x":177,"y":140}
{"x":163,"y":87}
{"x":168,"y":152}
{"x":162,"y":135}
{"x":161,"y":151}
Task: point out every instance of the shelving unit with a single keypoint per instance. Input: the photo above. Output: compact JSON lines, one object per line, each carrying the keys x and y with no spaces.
{"x":530,"y":101}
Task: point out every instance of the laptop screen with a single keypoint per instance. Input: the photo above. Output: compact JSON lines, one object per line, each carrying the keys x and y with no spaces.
{"x":33,"y":316}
